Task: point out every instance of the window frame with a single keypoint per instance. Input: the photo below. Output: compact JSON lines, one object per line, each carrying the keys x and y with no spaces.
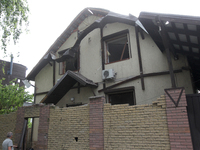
{"x":121,"y":91}
{"x":115,"y":36}
{"x":62,"y":64}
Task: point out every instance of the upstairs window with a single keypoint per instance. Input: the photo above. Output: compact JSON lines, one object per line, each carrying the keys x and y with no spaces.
{"x":117,"y":47}
{"x":69,"y":64}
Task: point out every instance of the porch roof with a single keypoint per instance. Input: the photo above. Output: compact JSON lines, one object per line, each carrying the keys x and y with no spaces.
{"x":68,"y":80}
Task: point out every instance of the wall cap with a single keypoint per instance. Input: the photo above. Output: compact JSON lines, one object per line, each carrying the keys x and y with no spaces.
{"x":95,"y":97}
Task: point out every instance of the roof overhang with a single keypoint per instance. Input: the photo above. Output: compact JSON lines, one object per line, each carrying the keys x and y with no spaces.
{"x":107,"y":17}
{"x":68,"y":80}
{"x":182,"y":33}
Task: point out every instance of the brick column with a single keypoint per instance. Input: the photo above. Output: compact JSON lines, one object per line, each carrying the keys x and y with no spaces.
{"x":19,"y":125}
{"x":96,"y":137}
{"x":177,"y":118}
{"x":42,"y":143}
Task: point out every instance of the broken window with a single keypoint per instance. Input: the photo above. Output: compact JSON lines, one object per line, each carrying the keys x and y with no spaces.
{"x":68,"y":64}
{"x":122,"y":96}
{"x":117,"y":47}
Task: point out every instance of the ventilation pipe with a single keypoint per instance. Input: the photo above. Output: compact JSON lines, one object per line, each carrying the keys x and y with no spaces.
{"x":11,"y":65}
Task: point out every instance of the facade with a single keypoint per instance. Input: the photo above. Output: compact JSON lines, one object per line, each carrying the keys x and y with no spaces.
{"x":104,"y":53}
{"x":103,"y":59}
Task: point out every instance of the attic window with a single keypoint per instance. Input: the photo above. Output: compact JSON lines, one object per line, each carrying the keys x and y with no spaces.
{"x":117,"y":47}
{"x":69,"y":64}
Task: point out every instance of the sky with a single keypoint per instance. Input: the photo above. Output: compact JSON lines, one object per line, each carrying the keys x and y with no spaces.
{"x":49,"y":18}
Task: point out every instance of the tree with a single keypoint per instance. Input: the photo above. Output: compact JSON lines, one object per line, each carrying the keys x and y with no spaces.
{"x":12,"y":96}
{"x":13,"y":15}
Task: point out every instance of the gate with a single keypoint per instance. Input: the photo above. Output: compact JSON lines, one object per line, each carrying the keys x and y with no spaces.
{"x":193,"y":110}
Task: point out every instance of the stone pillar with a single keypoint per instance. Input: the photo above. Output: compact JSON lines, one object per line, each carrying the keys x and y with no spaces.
{"x":177,"y":119}
{"x":96,"y":136}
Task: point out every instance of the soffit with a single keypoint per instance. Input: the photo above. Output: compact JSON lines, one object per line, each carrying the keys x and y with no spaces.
{"x":183,"y":36}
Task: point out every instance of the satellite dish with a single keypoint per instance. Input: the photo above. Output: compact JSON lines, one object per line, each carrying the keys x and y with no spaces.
{"x":26,"y":83}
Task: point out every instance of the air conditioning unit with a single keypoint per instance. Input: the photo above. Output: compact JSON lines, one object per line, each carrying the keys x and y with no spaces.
{"x":108,"y":74}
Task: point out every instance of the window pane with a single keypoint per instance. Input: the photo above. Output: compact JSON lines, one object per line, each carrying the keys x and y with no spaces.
{"x":117,"y":49}
{"x":121,"y":98}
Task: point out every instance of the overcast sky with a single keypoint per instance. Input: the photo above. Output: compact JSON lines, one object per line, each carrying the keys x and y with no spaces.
{"x":49,"y":18}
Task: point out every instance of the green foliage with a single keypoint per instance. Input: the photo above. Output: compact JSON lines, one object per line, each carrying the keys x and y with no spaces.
{"x":12,"y":96}
{"x":29,"y":122}
{"x":13,"y":15}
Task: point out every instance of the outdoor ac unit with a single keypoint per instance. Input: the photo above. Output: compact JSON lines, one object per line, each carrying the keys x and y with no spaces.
{"x":108,"y":74}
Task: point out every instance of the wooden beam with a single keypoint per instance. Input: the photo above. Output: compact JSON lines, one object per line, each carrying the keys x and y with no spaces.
{"x":54,"y":73}
{"x":139,"y":57}
{"x":166,"y":45}
{"x":41,"y":93}
{"x":102,"y":54}
{"x":138,"y":77}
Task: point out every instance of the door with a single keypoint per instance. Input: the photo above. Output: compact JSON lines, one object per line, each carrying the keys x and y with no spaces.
{"x":193,"y":110}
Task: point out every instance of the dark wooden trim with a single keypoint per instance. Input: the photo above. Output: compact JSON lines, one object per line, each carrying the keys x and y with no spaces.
{"x":138,"y":76}
{"x":139,"y":57}
{"x":130,"y":88}
{"x":79,"y":88}
{"x":54,"y":73}
{"x":180,"y":94}
{"x":166,"y":45}
{"x":35,"y":93}
{"x":41,"y":93}
{"x":125,"y":81}
{"x":115,"y":34}
{"x":102,"y":54}
{"x":141,"y":33}
{"x":78,"y":59}
{"x":63,"y":51}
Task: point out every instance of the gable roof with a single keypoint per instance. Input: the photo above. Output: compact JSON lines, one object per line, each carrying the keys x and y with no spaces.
{"x":63,"y":37}
{"x":107,"y":17}
{"x":182,"y":33}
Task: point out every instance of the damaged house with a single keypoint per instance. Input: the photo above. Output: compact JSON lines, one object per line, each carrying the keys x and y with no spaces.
{"x":125,"y":63}
{"x":104,"y":53}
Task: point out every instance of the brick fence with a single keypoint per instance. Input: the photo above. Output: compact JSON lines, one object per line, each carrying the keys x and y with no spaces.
{"x":99,"y":125}
{"x":177,"y":119}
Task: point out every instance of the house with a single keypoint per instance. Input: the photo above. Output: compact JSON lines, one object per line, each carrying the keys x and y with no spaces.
{"x":127,"y":60}
{"x":121,"y":57}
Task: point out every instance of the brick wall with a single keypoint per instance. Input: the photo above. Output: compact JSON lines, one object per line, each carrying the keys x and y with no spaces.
{"x":7,"y":123}
{"x":99,"y":125}
{"x":69,"y":128}
{"x":136,"y":127}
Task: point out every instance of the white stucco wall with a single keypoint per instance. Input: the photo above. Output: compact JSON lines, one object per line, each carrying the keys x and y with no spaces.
{"x":153,"y":60}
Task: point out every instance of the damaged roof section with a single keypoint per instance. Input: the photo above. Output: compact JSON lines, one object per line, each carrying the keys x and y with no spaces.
{"x":183,"y":36}
{"x":68,"y":80}
{"x":107,"y":17}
